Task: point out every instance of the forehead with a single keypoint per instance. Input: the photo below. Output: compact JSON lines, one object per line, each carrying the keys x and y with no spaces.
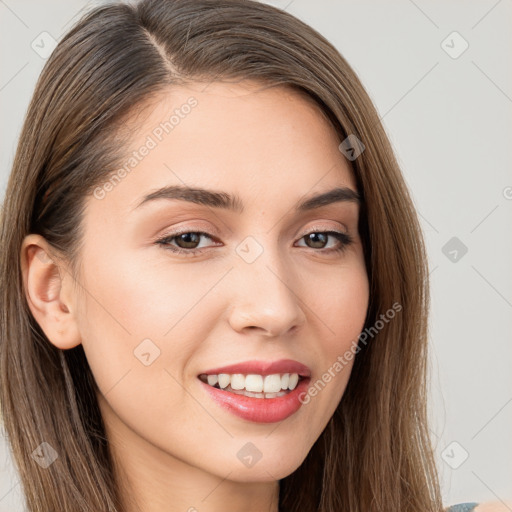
{"x":247,"y":138}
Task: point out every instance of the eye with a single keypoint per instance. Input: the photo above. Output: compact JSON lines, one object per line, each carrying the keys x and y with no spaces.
{"x":188,"y":242}
{"x":318,"y":239}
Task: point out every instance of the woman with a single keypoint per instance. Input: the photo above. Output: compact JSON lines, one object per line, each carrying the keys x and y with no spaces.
{"x":214,"y":282}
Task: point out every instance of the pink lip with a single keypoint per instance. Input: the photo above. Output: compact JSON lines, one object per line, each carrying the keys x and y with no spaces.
{"x":263,"y":368}
{"x":261,"y":410}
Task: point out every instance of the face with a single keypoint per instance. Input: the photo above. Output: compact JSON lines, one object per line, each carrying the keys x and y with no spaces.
{"x":182,"y":291}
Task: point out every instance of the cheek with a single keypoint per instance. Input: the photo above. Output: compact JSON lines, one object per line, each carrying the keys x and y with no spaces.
{"x":341,"y":308}
{"x":137,"y":344}
{"x":133,"y":322}
{"x":144,"y":296}
{"x":142,"y":321}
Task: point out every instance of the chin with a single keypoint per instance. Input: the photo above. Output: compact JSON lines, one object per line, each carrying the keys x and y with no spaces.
{"x":267,"y":468}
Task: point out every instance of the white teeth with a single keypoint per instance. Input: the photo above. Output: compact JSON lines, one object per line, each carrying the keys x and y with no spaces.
{"x":294,"y":379}
{"x":212,"y":379}
{"x":253,"y":383}
{"x":272,"y":384}
{"x":224,"y":380}
{"x":238,"y":381}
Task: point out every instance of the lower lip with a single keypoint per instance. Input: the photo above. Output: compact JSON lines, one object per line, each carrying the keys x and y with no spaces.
{"x":259,"y":410}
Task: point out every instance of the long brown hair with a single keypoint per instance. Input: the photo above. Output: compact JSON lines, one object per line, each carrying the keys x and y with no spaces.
{"x":375,"y":454}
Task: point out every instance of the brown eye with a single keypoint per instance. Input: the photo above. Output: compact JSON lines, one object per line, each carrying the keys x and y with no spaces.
{"x":188,"y":240}
{"x":185,"y":242}
{"x":319,"y":239}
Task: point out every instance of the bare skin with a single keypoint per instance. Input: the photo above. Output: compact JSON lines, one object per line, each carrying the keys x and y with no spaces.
{"x":176,"y":449}
{"x":494,"y":506}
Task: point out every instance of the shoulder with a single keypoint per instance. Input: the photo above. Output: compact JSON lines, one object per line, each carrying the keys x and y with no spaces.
{"x":463,"y":507}
{"x":490,"y":506}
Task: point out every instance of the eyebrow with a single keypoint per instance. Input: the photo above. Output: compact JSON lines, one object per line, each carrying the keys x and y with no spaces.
{"x":215,"y":199}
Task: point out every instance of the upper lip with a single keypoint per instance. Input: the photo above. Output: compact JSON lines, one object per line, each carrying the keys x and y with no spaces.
{"x":262,"y":368}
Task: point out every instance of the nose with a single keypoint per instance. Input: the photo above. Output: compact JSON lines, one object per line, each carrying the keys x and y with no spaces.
{"x":265,"y":298}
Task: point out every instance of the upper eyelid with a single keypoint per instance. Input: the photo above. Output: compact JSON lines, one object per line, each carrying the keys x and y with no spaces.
{"x":216,"y":232}
{"x":207,"y":232}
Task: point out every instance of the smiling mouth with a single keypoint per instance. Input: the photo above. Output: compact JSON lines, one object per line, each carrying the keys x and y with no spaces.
{"x":254,"y":385}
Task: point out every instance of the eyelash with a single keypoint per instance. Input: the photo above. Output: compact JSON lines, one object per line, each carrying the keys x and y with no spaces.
{"x":344,"y":238}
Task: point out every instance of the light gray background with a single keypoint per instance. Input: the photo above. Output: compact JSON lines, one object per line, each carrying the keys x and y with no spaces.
{"x":449,"y":120}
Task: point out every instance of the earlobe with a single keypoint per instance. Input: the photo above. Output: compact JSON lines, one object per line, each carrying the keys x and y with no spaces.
{"x":48,"y":292}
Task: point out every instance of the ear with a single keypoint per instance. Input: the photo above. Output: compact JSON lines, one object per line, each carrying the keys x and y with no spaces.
{"x":49,"y":292}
